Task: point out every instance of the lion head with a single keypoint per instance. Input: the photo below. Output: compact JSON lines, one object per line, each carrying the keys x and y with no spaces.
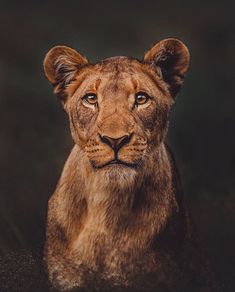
{"x":118,"y":107}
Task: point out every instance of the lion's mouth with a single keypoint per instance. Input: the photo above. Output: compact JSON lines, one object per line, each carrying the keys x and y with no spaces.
{"x":117,"y":162}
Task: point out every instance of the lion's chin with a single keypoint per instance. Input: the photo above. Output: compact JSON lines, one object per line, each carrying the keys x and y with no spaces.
{"x":115,"y":163}
{"x":116,"y":175}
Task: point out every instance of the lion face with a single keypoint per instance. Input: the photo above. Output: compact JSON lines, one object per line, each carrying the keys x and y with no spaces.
{"x":118,"y":108}
{"x":117,"y":112}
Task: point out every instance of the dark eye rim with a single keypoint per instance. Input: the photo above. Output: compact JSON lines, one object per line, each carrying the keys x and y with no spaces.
{"x":85,"y":98}
{"x":143,"y":94}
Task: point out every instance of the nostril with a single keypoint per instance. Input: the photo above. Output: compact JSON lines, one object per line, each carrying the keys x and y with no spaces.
{"x":123,"y":141}
{"x":107,"y":140}
{"x":116,"y":143}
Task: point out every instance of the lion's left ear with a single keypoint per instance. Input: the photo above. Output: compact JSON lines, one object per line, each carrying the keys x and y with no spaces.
{"x":170,"y":57}
{"x":61,"y":64}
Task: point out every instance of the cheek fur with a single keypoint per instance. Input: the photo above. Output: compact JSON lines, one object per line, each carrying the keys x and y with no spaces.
{"x":81,"y":119}
{"x":155,"y":119}
{"x":84,"y":116}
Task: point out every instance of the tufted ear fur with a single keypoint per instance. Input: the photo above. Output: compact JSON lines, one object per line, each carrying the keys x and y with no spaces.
{"x":170,"y":58}
{"x":61,"y":65}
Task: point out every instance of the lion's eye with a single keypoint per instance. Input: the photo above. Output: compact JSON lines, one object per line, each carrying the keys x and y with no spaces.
{"x":90,"y":98}
{"x":141,"y":98}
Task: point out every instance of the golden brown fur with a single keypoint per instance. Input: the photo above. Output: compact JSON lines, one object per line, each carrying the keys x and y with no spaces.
{"x":123,"y":225}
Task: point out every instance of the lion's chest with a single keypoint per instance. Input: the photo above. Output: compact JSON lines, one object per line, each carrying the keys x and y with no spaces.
{"x":118,"y":258}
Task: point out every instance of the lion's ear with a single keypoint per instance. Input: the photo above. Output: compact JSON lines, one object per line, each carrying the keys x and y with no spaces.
{"x":170,"y":57}
{"x":61,"y":64}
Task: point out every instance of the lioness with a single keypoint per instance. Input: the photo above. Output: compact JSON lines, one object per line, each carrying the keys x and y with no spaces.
{"x":117,"y":220}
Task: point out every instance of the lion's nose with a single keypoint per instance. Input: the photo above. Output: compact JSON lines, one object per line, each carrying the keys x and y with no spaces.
{"x":116,"y":143}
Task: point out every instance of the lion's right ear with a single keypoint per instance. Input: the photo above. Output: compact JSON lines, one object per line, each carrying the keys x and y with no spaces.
{"x":170,"y":58}
{"x":61,"y":64}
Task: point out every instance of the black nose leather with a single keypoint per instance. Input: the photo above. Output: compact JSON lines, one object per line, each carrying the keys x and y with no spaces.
{"x":116,"y":143}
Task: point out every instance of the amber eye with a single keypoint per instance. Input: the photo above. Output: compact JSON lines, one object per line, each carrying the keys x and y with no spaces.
{"x":141,"y":98}
{"x":90,"y":98}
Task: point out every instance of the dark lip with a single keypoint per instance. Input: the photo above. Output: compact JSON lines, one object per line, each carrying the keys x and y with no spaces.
{"x":117,"y":161}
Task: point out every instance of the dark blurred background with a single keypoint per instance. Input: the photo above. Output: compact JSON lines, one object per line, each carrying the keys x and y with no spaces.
{"x":35,"y":137}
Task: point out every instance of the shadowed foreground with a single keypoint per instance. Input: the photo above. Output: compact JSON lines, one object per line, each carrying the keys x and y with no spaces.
{"x":22,"y":271}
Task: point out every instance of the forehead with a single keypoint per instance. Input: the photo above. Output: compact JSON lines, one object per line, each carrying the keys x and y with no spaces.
{"x":119,"y":74}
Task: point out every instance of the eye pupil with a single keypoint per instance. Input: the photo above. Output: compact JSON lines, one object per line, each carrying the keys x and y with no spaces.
{"x":90,"y":98}
{"x":141,"y":98}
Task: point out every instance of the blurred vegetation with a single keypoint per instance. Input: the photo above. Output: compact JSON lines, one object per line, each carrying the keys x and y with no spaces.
{"x":35,"y":137}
